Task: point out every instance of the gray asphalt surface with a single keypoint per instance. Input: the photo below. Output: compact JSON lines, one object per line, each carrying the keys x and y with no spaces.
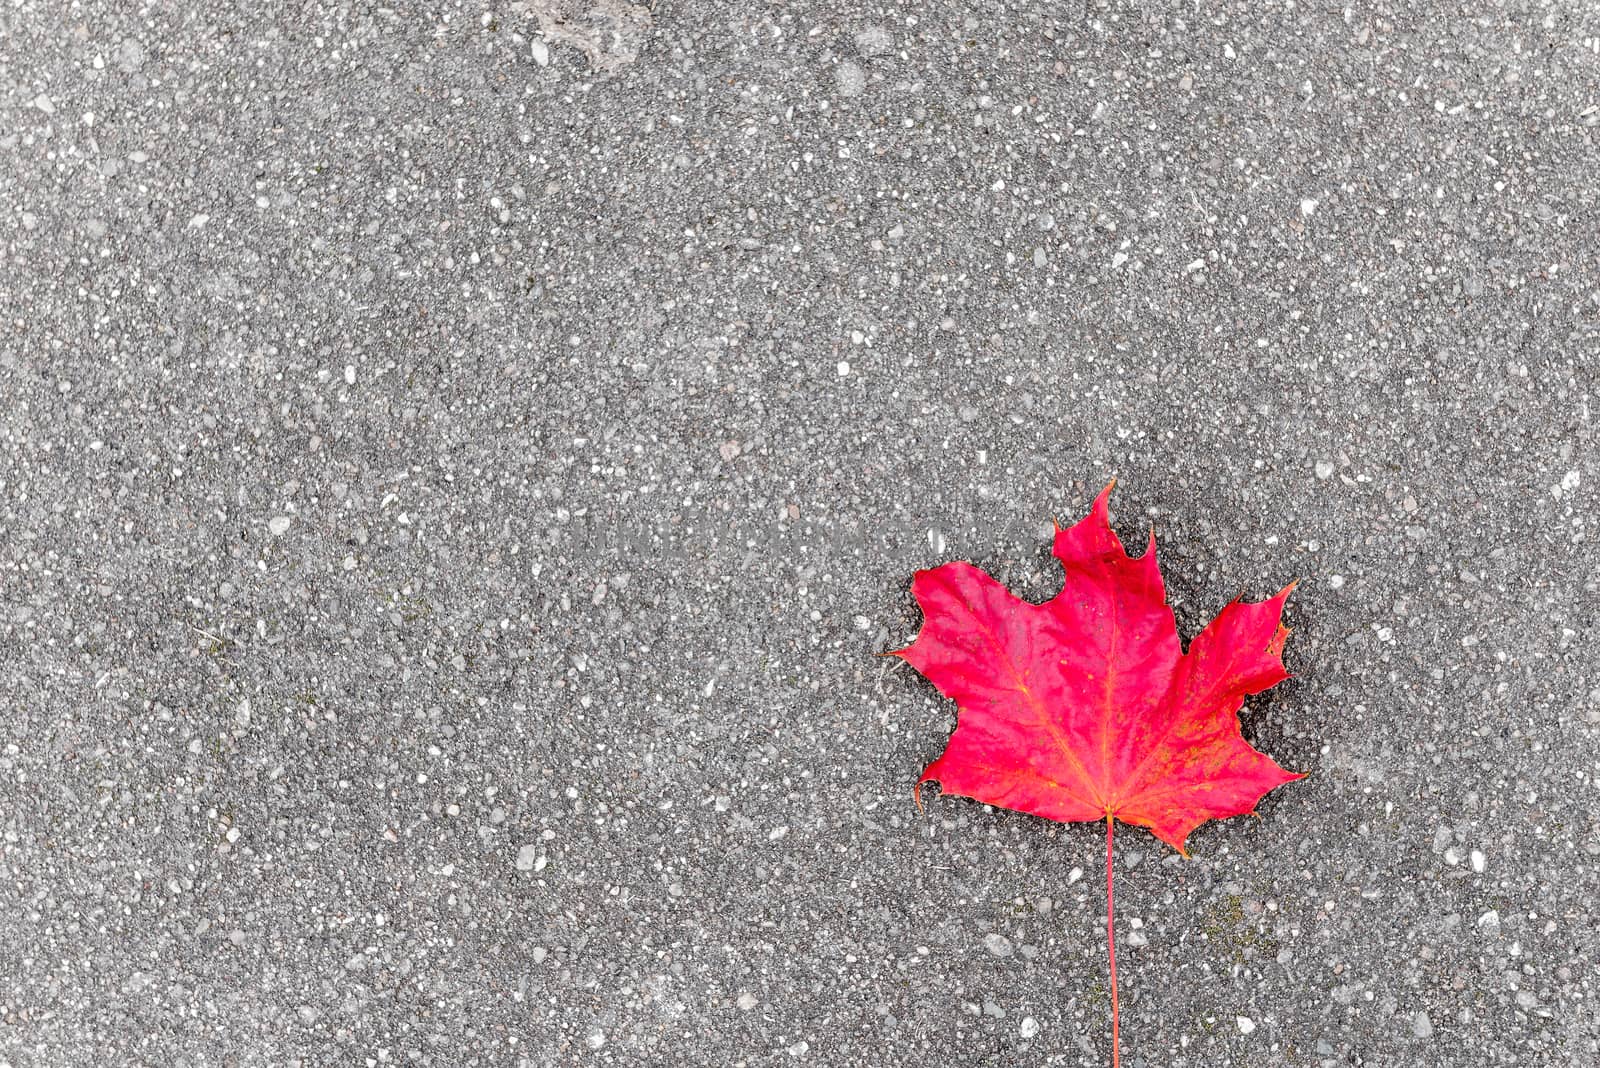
{"x":454,"y":475}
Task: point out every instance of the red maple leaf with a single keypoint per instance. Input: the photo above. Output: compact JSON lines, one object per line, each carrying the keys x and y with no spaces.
{"x":1086,"y":707}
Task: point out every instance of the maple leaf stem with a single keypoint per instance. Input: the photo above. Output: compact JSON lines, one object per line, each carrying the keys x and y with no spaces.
{"x":1111,"y":941}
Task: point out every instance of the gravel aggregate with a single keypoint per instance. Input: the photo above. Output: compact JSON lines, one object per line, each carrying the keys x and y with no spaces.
{"x":457,"y":461}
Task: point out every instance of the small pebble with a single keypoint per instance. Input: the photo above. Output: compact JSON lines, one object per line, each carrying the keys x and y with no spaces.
{"x":849,"y":79}
{"x":526,"y":856}
{"x":997,"y":944}
{"x":874,"y":41}
{"x":130,"y":55}
{"x":1246,"y":1025}
{"x":1324,"y":470}
{"x":1030,"y":1027}
{"x":279,"y":525}
{"x":1421,"y":1026}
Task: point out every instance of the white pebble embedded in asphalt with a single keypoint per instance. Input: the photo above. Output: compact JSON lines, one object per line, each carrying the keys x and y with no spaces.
{"x":874,"y":41}
{"x":849,"y":79}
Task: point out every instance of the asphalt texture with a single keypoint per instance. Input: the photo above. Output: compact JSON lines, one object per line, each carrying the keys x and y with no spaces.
{"x":457,"y":464}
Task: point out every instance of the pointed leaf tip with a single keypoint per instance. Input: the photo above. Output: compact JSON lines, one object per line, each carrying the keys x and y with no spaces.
{"x":1102,"y":503}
